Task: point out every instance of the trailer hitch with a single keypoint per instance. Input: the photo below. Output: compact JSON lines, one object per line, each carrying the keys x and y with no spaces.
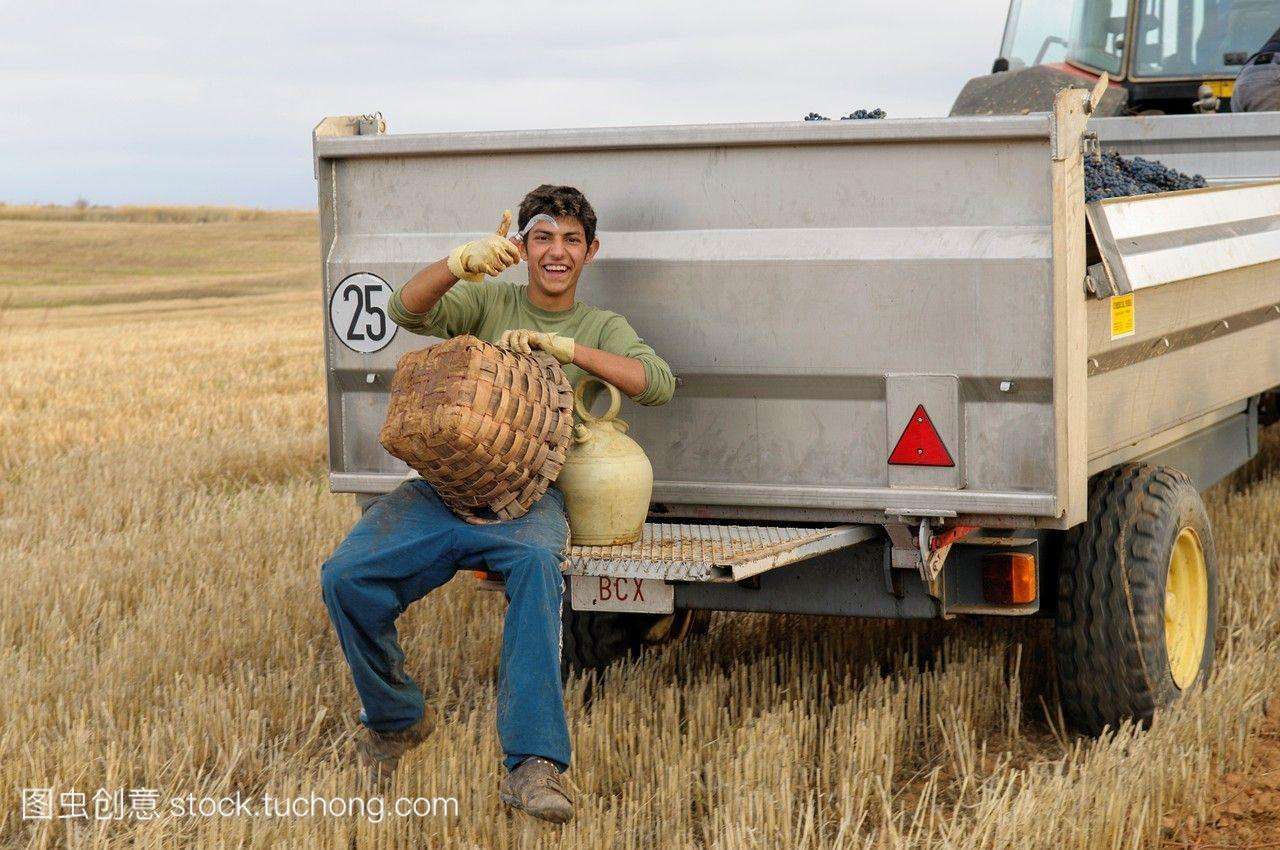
{"x":923,"y":550}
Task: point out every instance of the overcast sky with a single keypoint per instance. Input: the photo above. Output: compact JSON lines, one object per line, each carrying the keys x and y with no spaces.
{"x":127,"y":101}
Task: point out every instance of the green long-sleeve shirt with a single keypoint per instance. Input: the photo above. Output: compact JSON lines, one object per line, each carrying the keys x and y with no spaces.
{"x":488,"y":308}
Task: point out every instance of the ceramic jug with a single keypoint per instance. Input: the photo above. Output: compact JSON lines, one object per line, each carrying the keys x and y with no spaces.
{"x":607,"y":479}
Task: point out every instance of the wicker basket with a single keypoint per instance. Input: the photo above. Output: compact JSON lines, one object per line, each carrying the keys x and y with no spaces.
{"x":487,"y":427}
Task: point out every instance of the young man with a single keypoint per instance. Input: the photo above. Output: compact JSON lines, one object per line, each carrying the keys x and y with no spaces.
{"x":408,"y":543}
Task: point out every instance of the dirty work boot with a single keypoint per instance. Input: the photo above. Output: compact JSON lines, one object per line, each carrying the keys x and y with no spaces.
{"x":534,"y":787}
{"x":379,"y":752}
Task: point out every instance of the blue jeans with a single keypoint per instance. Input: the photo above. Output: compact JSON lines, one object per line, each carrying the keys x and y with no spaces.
{"x":407,"y":544}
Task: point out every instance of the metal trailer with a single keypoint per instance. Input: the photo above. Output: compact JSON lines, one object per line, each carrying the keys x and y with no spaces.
{"x":836,"y":298}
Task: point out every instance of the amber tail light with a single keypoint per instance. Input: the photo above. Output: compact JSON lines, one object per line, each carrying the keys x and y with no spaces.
{"x":1009,"y":578}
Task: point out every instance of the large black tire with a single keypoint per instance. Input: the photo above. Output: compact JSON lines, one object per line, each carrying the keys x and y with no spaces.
{"x":592,"y":640}
{"x":1110,"y":633}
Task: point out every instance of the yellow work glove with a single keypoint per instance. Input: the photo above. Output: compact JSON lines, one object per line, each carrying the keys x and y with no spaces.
{"x":487,"y":256}
{"x":524,"y":341}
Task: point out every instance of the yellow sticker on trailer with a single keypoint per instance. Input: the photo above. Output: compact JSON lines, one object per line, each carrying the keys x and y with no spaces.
{"x":1122,"y":320}
{"x":1221,"y":88}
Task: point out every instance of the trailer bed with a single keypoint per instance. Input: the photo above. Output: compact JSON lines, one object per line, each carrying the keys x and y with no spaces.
{"x":813,"y":284}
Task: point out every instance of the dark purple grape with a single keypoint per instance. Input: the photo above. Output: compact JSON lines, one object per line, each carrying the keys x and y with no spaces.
{"x":1115,"y":176}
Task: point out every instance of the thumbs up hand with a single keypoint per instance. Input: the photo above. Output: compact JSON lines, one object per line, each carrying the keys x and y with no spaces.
{"x":489,"y":255}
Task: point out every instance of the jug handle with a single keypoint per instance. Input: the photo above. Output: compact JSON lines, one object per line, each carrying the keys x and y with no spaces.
{"x":615,"y":400}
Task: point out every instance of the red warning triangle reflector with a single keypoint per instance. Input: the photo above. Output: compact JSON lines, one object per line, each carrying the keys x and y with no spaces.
{"x":920,"y":444}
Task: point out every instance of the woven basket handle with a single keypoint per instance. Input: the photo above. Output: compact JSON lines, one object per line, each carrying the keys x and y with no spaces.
{"x":615,"y":400}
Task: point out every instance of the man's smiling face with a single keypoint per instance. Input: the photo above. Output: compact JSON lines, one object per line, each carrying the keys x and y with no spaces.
{"x":556,"y":255}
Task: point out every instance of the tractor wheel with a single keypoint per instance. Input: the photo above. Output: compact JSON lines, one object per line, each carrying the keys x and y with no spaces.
{"x":592,"y":640}
{"x":1137,"y":598}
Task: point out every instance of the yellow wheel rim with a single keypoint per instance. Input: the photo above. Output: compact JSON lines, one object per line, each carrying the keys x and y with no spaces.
{"x":1186,"y":608}
{"x":662,"y":630}
{"x":676,"y":626}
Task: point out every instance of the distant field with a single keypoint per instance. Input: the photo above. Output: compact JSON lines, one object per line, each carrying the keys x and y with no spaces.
{"x":164,"y":513}
{"x":63,"y":256}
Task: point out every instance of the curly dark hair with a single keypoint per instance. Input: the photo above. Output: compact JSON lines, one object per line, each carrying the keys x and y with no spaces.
{"x":557,"y":201}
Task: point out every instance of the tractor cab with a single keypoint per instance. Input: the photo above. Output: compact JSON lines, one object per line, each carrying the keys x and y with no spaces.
{"x":1157,"y":53}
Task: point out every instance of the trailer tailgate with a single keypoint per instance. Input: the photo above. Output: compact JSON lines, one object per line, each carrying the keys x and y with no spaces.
{"x":811,"y":285}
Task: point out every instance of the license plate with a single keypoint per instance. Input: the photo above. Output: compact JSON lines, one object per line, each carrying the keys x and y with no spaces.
{"x":606,"y":593}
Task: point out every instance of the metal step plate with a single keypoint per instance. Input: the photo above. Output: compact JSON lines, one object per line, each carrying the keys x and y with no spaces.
{"x":727,"y":553}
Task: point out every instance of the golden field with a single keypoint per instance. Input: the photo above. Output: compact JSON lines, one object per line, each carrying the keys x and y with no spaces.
{"x":164,"y":512}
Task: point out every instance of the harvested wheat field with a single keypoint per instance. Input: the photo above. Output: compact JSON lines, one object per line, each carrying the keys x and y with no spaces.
{"x":164,"y":512}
